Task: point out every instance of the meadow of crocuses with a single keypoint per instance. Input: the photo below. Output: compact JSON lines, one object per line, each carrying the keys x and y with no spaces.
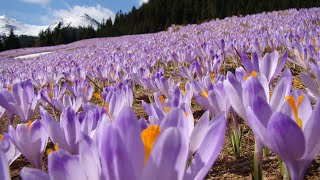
{"x":76,"y":105}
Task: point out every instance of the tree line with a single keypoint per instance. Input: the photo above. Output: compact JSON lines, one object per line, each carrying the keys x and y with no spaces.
{"x":157,"y":15}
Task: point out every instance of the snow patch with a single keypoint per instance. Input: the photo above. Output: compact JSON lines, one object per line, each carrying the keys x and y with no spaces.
{"x":32,"y":55}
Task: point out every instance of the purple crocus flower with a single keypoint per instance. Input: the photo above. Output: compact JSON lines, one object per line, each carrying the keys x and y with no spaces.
{"x":300,"y":56}
{"x":117,"y":96}
{"x":241,"y":95}
{"x":53,"y":95}
{"x":187,"y":73}
{"x":31,"y":140}
{"x":81,"y":89}
{"x":21,"y":101}
{"x":295,"y":140}
{"x":269,"y":65}
{"x":213,"y":97}
{"x":91,"y":117}
{"x":74,"y":103}
{"x":65,"y":133}
{"x":53,"y":77}
{"x":165,"y":86}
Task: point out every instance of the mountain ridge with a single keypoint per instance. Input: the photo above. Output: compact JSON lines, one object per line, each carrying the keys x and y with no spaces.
{"x":20,"y":28}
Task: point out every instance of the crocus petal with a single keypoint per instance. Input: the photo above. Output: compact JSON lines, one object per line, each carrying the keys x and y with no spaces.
{"x":114,"y":156}
{"x":54,"y":130}
{"x":175,"y":118}
{"x":258,"y":117}
{"x":234,"y":91}
{"x":273,"y":64}
{"x":168,"y":156}
{"x":4,"y":167}
{"x":305,"y":110}
{"x":265,"y":65}
{"x":199,"y":132}
{"x":71,"y":128}
{"x":31,"y":174}
{"x":309,"y":83}
{"x":64,"y":166}
{"x":10,"y":150}
{"x":312,"y":134}
{"x":89,"y":159}
{"x":281,"y":90}
{"x":252,"y":88}
{"x":280,"y":65}
{"x":208,"y":150}
{"x":129,"y":130}
{"x":246,"y":63}
{"x":286,"y":137}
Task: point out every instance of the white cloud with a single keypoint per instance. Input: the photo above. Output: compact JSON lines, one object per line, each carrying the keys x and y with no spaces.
{"x":142,"y":2}
{"x":38,"y":2}
{"x":96,"y":12}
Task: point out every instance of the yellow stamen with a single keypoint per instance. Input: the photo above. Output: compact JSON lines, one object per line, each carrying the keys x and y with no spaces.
{"x":107,"y":107}
{"x":49,"y":151}
{"x":181,"y":87}
{"x":85,"y":89}
{"x":314,"y":41}
{"x":295,"y":108}
{"x":253,"y":74}
{"x":56,"y":147}
{"x":149,"y":136}
{"x":1,"y":137}
{"x":187,"y":114}
{"x":167,"y":109}
{"x":29,"y":124}
{"x":98,"y":96}
{"x":50,"y":93}
{"x":161,"y":99}
{"x":291,"y":53}
{"x":204,"y":94}
{"x":9,"y":88}
{"x":212,"y":78}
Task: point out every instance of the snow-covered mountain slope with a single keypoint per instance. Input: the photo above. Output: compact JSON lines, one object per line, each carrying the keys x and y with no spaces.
{"x":19,"y":28}
{"x":83,"y":20}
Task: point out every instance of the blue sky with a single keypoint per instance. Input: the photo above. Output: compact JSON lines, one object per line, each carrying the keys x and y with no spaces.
{"x":44,"y":12}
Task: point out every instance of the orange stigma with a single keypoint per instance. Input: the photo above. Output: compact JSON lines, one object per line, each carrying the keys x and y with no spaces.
{"x":205,"y":94}
{"x":149,"y":136}
{"x":253,"y":74}
{"x":295,"y":108}
{"x":29,"y":124}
